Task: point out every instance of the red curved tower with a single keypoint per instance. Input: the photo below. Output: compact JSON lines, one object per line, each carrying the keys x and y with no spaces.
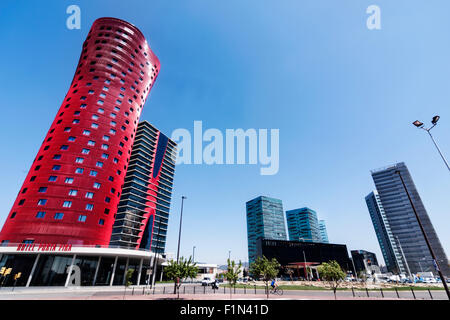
{"x":72,"y":190}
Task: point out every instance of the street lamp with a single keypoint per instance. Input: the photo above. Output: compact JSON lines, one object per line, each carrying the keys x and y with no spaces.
{"x":179,"y":232}
{"x":229,"y":255}
{"x":436,"y":263}
{"x":434,"y":122}
{"x":193,"y":254}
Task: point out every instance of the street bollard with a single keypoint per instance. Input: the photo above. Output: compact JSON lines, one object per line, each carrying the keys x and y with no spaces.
{"x":223,"y":290}
{"x":396,"y":291}
{"x":245,"y":290}
{"x":132,"y":292}
{"x":255,"y":288}
{"x":382,"y":294}
{"x":204,"y":289}
{"x":164,"y":290}
{"x":430,"y":294}
{"x":143,"y":290}
{"x":234,"y":290}
{"x":184,"y":290}
{"x":367,"y":291}
{"x":413,"y":293}
{"x":353,"y":292}
{"x":194,"y":289}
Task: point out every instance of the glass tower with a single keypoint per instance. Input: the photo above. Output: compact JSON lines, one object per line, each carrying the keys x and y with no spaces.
{"x":402,"y":221}
{"x":265,"y":220}
{"x":143,"y":211}
{"x":303,"y":225}
{"x":323,"y":231}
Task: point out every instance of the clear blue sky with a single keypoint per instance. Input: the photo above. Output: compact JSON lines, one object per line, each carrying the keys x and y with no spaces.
{"x":342,"y":96}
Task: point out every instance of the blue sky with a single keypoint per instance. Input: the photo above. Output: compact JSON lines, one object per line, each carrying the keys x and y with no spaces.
{"x":342,"y":96}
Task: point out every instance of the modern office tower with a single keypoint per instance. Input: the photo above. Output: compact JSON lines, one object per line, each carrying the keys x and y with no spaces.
{"x":74,"y":185}
{"x":303,"y":225}
{"x":143,"y":212}
{"x":388,"y":245}
{"x":402,"y":220}
{"x":365,"y":261}
{"x":323,"y":231}
{"x":265,"y":219}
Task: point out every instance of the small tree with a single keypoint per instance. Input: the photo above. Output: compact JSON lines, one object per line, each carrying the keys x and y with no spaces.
{"x":265,"y":269}
{"x":177,"y":271}
{"x":289,"y":272}
{"x":128,"y":276}
{"x":232,"y":273}
{"x":332,"y":273}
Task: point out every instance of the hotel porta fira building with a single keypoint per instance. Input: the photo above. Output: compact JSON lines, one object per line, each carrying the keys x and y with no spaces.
{"x":59,"y":230}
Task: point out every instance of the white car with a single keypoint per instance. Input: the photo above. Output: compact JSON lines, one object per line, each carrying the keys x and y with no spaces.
{"x":429,"y":280}
{"x":207,"y":281}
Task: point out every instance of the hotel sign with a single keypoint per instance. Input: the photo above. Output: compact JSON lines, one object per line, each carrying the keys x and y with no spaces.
{"x":44,"y":247}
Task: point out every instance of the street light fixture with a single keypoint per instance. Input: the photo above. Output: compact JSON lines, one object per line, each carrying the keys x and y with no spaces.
{"x":434,"y":122}
{"x":179,"y":232}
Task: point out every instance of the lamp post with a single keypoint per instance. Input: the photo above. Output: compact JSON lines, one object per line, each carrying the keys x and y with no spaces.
{"x":193,"y":254}
{"x":436,"y":263}
{"x":229,"y":255}
{"x":434,"y":122}
{"x":179,"y":232}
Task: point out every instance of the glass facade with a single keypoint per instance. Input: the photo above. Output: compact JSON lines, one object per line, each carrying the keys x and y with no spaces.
{"x":143,"y":212}
{"x":265,"y":219}
{"x":388,"y":245}
{"x":402,"y":220}
{"x":303,"y":225}
{"x":323,"y":231}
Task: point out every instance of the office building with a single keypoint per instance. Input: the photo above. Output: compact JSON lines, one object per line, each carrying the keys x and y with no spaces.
{"x":365,"y":261}
{"x":323,"y":231}
{"x":265,"y":219}
{"x":388,"y":245}
{"x":402,"y":221}
{"x":303,"y":225}
{"x":143,"y":212}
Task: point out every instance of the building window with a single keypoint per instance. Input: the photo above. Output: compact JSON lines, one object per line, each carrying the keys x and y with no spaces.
{"x":89,"y":207}
{"x":105,"y":146}
{"x":67,"y":129}
{"x":42,"y":189}
{"x":52,"y":178}
{"x":37,"y":168}
{"x":13,"y":215}
{"x":97,"y":185}
{"x":100,"y":110}
{"x":75,"y":121}
{"x":83,"y":106}
{"x":79,"y":170}
{"x":81,"y":218}
{"x":101,"y":222}
{"x":73,"y":192}
{"x":91,"y":143}
{"x":105,"y":156}
{"x":67,"y":204}
{"x":71,"y":139}
{"x":86,"y":132}
{"x":94,"y":126}
{"x":58,"y":216}
{"x":56,"y":167}
{"x":85,"y":151}
{"x":99,"y":164}
{"x":89,"y":195}
{"x":42,"y":202}
{"x":93,"y":173}
{"x":64,"y":147}
{"x":40,"y":215}
{"x":79,"y":160}
{"x":69,"y":180}
{"x":107,"y":199}
{"x":56,"y":157}
{"x":94,"y":117}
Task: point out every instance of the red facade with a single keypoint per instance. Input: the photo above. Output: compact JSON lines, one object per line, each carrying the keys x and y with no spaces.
{"x":72,"y":190}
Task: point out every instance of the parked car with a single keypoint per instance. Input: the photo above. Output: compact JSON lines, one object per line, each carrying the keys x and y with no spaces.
{"x":207,"y":281}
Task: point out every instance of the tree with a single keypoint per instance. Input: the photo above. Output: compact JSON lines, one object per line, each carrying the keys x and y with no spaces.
{"x":265,"y":269}
{"x":128,"y":276}
{"x":177,"y":271}
{"x":332,"y":273}
{"x":232,"y":273}
{"x":289,"y":272}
